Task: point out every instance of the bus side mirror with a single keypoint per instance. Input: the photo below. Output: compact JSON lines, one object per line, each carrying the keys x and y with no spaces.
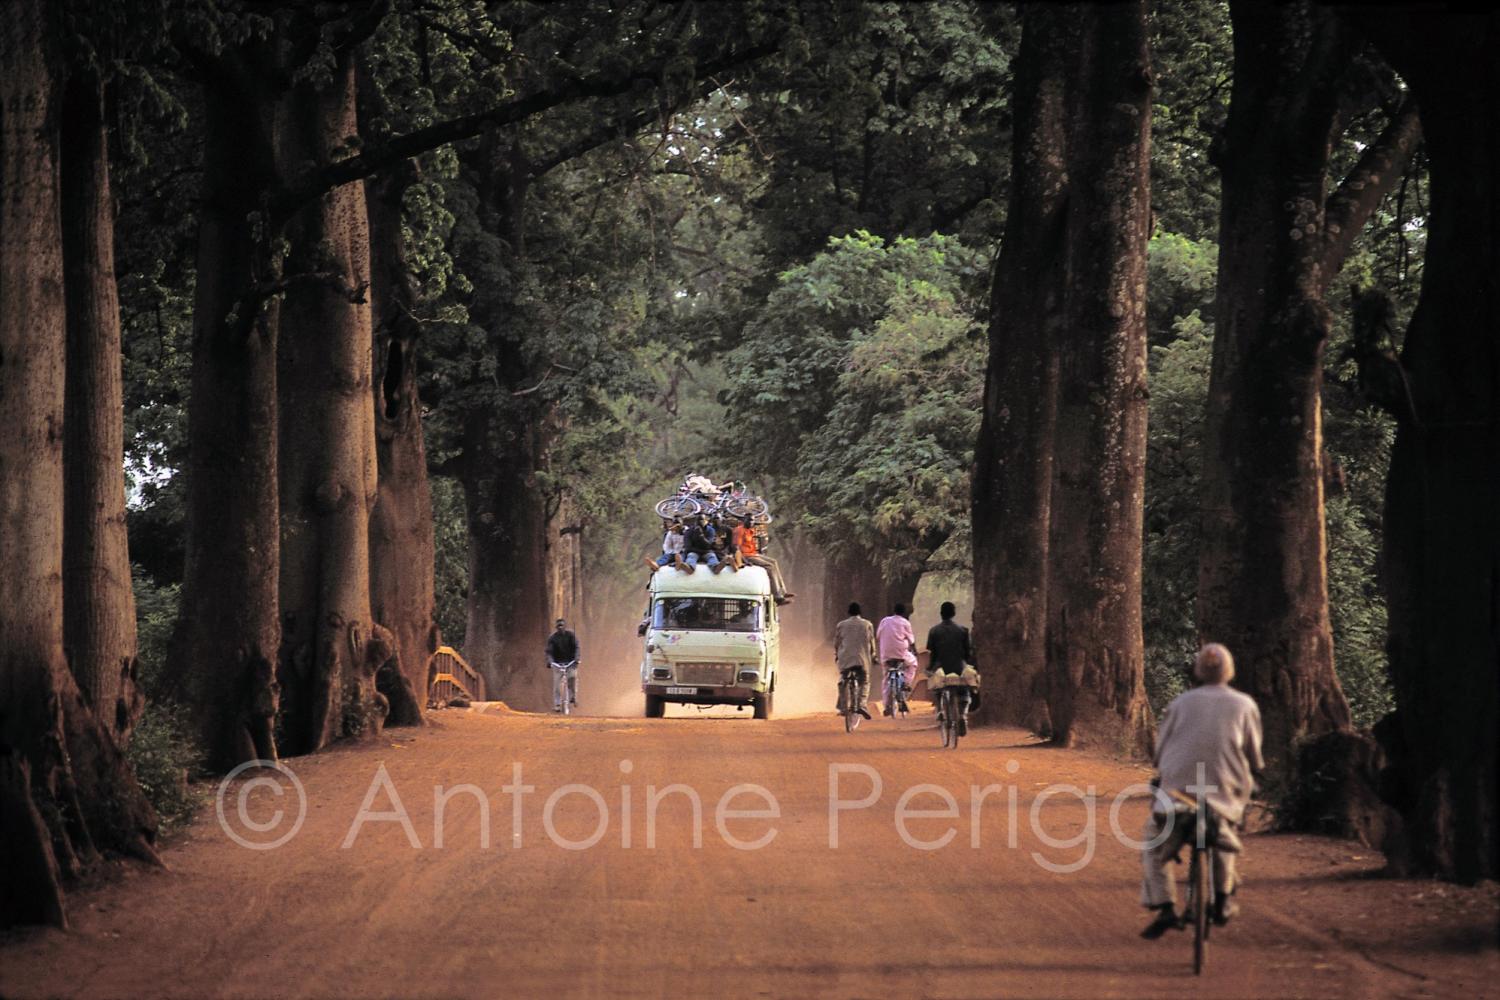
{"x":641,"y":628}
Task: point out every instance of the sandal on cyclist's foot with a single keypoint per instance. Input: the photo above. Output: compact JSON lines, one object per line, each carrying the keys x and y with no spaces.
{"x":861,"y":711}
{"x":1166,"y":920}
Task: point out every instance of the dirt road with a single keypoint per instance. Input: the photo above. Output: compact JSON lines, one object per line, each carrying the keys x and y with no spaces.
{"x":538,"y":913}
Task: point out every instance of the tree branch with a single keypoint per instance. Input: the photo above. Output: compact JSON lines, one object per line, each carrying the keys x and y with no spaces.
{"x":1373,"y":177}
{"x":545,"y":376}
{"x":317,"y":181}
{"x":625,"y":126}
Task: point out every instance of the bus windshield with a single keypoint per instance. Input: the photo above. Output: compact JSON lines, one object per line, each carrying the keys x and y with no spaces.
{"x":709,"y":614}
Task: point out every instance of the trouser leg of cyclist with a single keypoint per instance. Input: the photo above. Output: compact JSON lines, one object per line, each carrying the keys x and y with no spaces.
{"x":886,"y":694}
{"x":559,"y":688}
{"x":1157,"y":885}
{"x":1225,"y":877}
{"x":864,"y":690}
{"x":573,"y":685}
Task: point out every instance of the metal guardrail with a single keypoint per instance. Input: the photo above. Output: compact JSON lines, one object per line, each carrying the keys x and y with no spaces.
{"x":451,"y":678}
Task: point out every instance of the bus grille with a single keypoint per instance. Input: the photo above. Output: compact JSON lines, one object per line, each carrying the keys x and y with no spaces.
{"x":717,"y":674}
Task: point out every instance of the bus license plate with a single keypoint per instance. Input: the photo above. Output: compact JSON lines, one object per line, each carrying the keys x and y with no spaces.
{"x":682,"y":690}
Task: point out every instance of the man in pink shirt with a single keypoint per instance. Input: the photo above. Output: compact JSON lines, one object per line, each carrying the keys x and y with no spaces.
{"x":898,"y":645}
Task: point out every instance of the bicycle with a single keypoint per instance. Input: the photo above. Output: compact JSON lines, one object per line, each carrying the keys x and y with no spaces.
{"x":729,"y":500}
{"x":849,"y":685}
{"x":564,"y":685}
{"x":1202,"y":833}
{"x":895,"y":691}
{"x":678,"y":508}
{"x":953,"y":711}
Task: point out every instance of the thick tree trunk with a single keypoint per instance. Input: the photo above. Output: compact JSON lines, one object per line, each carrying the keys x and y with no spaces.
{"x":66,"y":788}
{"x":508,"y":620}
{"x":402,"y":545}
{"x":331,"y":647}
{"x":1059,"y":466}
{"x":1442,"y":544}
{"x":1263,"y":587}
{"x":1096,"y":693}
{"x":1013,"y":457}
{"x":565,"y":561}
{"x":511,"y":530}
{"x":229,"y":629}
{"x":98,"y":604}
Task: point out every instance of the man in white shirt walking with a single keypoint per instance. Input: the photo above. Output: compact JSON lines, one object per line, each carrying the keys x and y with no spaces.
{"x":1208,"y":745}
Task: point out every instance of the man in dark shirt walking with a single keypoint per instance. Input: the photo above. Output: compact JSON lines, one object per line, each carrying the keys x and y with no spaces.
{"x":562,"y":649}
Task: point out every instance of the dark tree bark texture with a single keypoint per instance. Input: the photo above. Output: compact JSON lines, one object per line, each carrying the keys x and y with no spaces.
{"x":1059,"y":467}
{"x":1263,"y":580}
{"x":508,"y":573}
{"x":331,"y":648}
{"x":66,"y":790}
{"x":1096,"y":694}
{"x":98,"y":604}
{"x":1013,"y":457}
{"x":1442,"y":542}
{"x":402,"y":545}
{"x":229,"y":629}
{"x":504,"y":446}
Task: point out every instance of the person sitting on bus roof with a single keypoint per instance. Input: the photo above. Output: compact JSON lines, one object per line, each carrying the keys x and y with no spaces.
{"x":671,"y":549}
{"x":698,"y":541}
{"x":724,"y":549}
{"x":747,"y":545}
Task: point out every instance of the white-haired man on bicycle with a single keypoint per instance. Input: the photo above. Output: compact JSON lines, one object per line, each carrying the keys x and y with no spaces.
{"x":1208,"y":748}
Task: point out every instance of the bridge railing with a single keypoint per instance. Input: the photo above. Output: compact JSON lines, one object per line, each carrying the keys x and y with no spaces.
{"x":451,"y":678}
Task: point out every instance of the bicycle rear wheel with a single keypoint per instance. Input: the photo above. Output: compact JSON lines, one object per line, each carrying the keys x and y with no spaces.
{"x":1198,"y":878}
{"x":852,"y":718}
{"x":747,"y":506}
{"x":949,"y":726}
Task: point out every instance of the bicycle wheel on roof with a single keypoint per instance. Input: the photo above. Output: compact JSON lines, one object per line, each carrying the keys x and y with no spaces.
{"x":676,"y":508}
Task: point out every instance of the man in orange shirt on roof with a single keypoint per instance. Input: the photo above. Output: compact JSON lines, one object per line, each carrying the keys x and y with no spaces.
{"x":747,"y":546}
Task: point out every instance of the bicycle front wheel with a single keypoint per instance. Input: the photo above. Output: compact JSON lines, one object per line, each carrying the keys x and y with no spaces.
{"x":676,"y":508}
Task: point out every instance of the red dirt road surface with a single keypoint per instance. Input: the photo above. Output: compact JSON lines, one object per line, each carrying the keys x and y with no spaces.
{"x":538,"y":913}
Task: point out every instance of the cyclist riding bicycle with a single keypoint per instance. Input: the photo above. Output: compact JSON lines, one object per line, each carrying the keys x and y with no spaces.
{"x":952,"y":654}
{"x":1208,"y":744}
{"x":854,"y":649}
{"x":562,"y":648}
{"x":898,"y":648}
